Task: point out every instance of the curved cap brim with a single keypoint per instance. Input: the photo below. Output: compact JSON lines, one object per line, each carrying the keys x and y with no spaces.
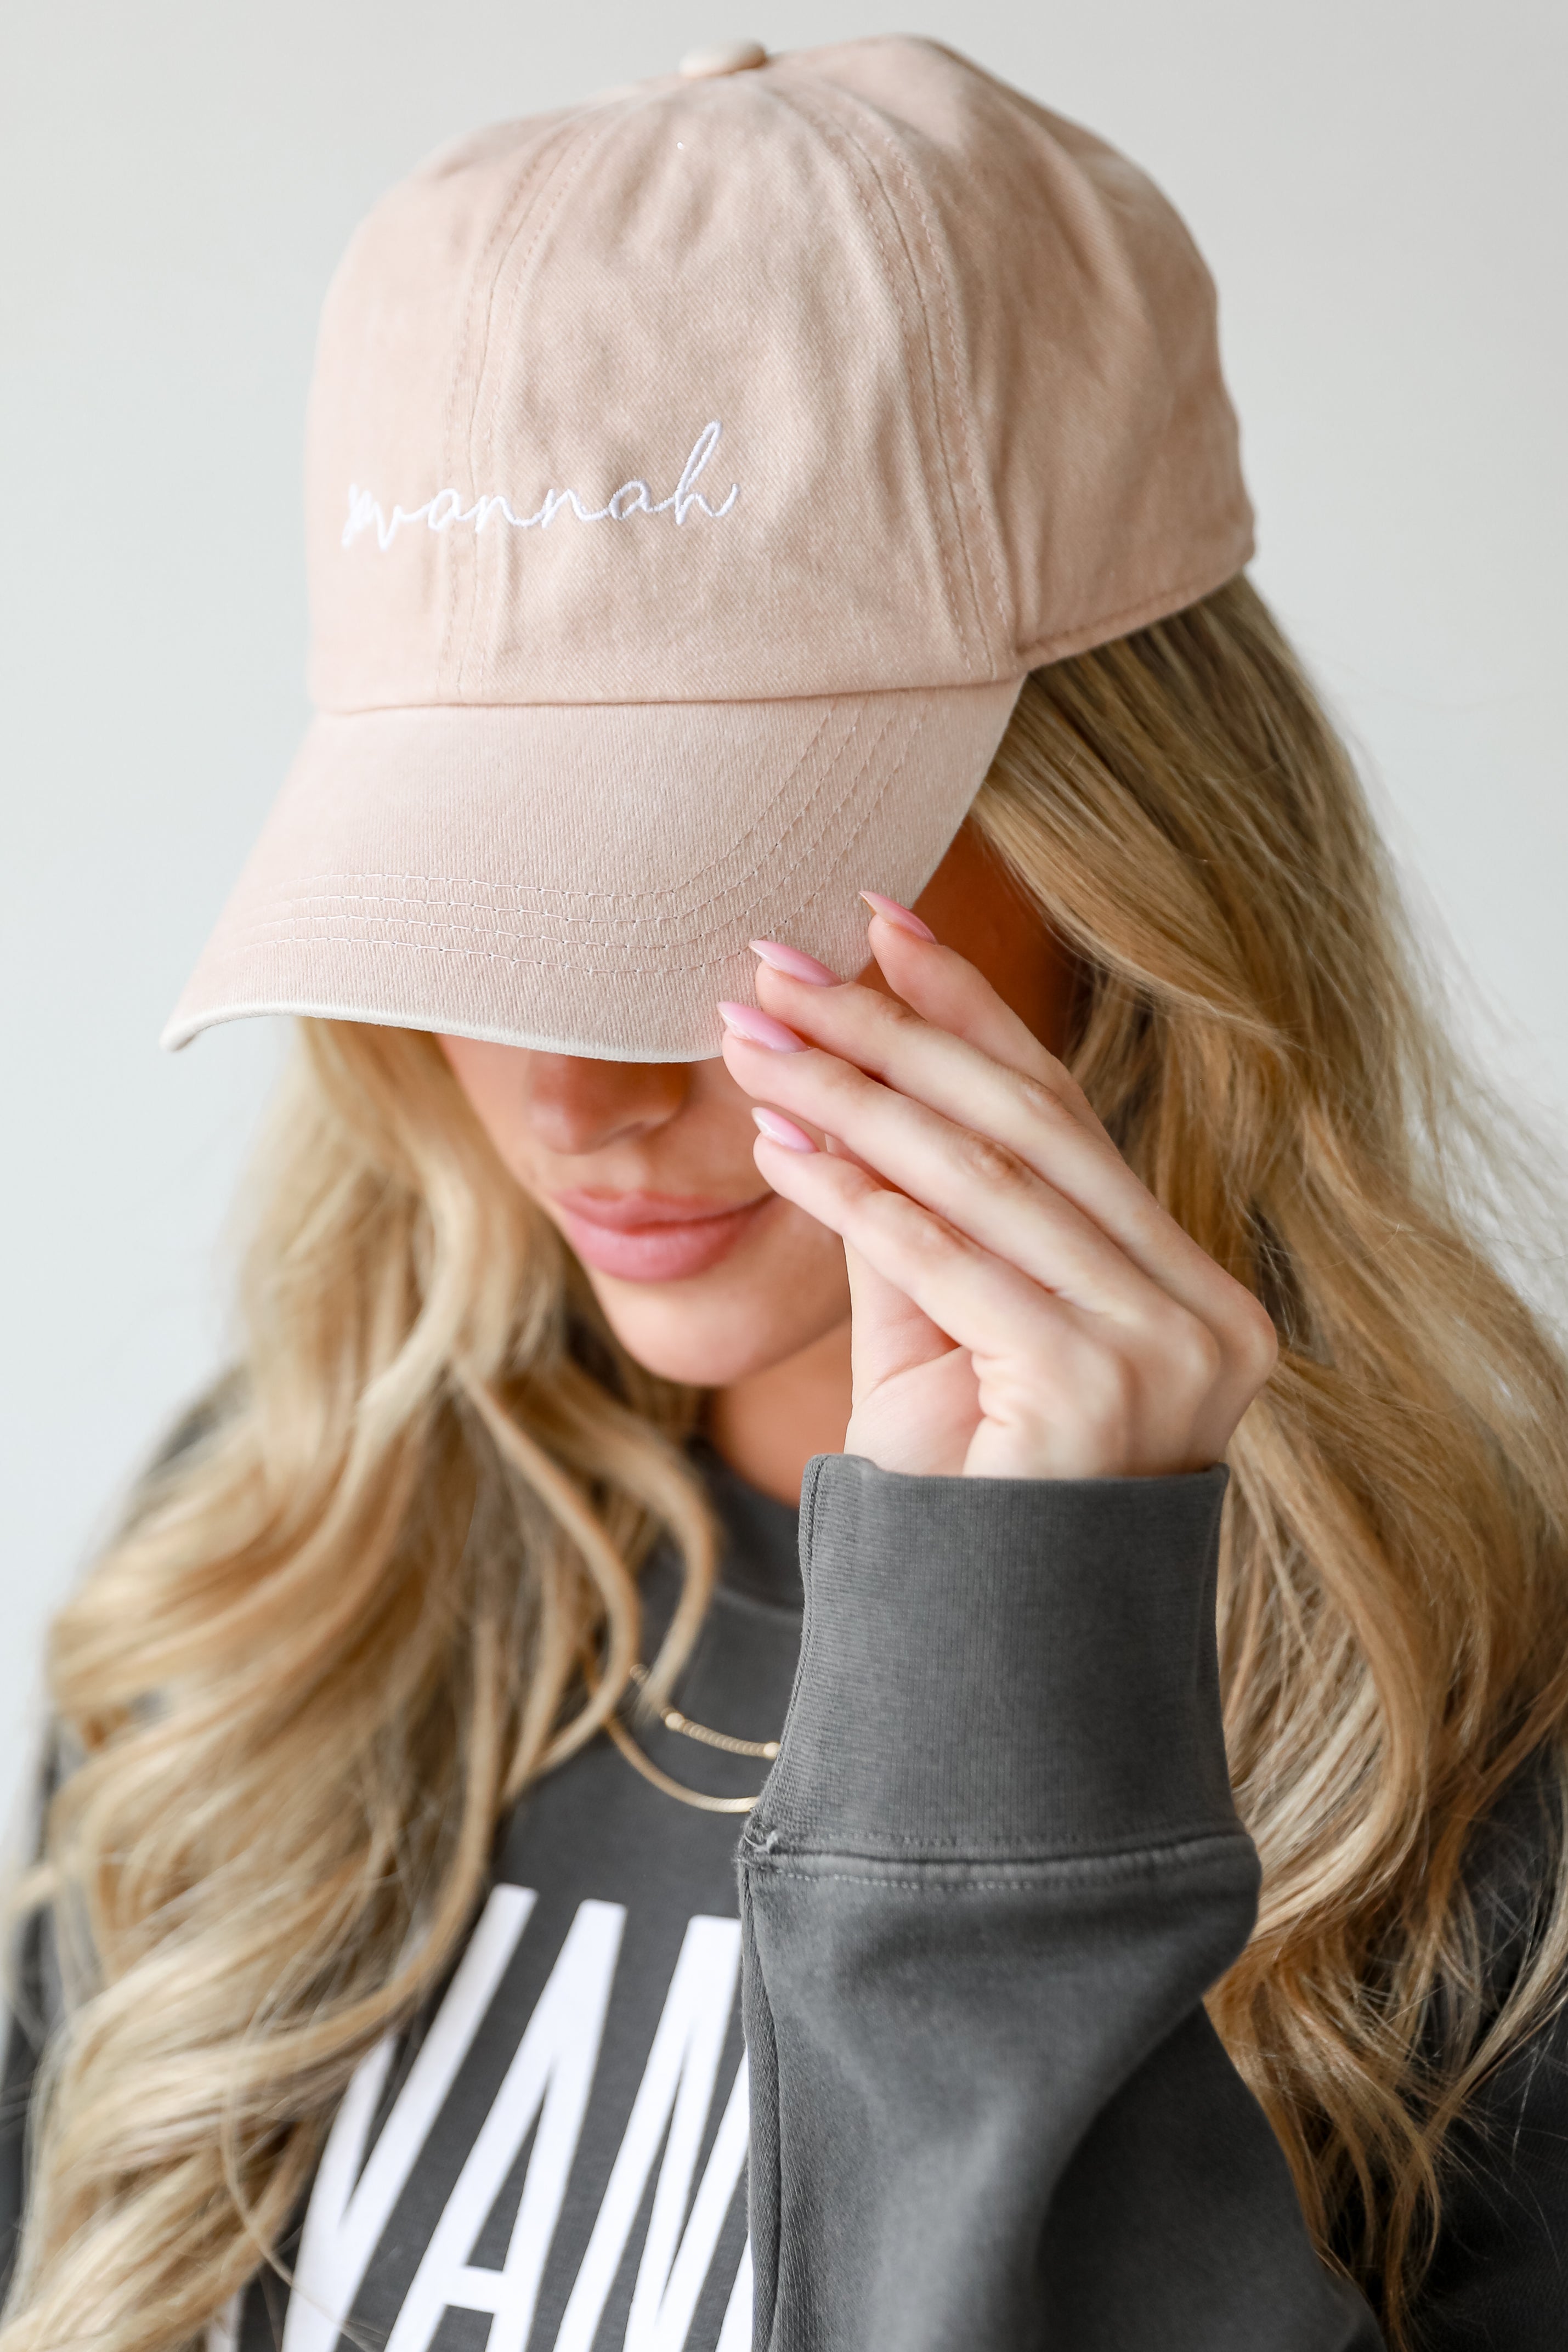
{"x":584,"y":878}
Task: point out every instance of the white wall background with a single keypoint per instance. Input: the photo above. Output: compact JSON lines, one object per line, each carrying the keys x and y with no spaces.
{"x":1378,"y":184}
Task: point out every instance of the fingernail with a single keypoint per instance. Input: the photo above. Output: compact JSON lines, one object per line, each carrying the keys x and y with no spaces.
{"x":901,"y":918}
{"x":795,"y":961}
{"x":780,"y":1129}
{"x":760,"y":1028}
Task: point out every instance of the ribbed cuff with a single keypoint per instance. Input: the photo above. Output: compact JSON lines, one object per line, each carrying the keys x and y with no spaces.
{"x":996,"y":1667}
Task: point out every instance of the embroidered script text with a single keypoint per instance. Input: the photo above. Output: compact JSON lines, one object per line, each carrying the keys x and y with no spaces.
{"x":633,"y":498}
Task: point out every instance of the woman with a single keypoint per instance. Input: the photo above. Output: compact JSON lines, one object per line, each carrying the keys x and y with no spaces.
{"x":1084,"y":1248}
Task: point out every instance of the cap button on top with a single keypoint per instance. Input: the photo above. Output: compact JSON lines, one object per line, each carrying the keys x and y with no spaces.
{"x":724,"y":57}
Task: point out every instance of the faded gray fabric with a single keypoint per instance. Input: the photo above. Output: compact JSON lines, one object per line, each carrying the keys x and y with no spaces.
{"x":989,"y":1881}
{"x":991,"y":1877}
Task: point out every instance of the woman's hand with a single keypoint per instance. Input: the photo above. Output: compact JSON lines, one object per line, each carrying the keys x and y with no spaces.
{"x":1023,"y":1306}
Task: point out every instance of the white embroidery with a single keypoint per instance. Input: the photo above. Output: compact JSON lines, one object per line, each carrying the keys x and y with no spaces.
{"x":446,"y":508}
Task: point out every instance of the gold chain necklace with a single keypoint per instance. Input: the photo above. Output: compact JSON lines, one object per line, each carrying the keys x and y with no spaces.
{"x":674,"y":1720}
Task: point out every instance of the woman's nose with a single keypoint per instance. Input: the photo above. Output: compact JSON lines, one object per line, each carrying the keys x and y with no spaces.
{"x":576,"y":1105}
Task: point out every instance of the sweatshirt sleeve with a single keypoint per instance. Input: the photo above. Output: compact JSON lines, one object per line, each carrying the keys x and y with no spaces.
{"x":31,"y":2008}
{"x":990,"y":1878}
{"x":26,"y":2028}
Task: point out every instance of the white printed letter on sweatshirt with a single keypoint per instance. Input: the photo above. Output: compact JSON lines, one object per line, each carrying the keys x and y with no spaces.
{"x":548,"y":2083}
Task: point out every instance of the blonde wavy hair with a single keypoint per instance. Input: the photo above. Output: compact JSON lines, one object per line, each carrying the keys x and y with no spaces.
{"x":392,"y":1576}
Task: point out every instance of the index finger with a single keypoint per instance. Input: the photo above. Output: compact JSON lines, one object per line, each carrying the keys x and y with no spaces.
{"x":938,"y":984}
{"x":1022,"y":1098}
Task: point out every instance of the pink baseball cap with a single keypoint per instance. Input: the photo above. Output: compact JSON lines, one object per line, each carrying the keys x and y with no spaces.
{"x":693,"y":477}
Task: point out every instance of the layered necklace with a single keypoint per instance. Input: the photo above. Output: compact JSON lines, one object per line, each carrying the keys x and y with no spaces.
{"x":674,"y":1720}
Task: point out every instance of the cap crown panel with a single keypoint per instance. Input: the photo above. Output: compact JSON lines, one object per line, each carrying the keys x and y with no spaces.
{"x":685,"y":258}
{"x":1107,"y":474}
{"x":390,"y":406}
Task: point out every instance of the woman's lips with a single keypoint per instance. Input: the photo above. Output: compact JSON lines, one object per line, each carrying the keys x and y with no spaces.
{"x":651,"y":1236}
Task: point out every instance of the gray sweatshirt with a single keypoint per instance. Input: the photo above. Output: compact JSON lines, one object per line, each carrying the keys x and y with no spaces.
{"x":980,"y":2106}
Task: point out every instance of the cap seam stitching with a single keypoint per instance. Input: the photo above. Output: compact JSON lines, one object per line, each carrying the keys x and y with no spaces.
{"x":332,"y":714}
{"x":828,"y":128}
{"x":480,"y":882}
{"x":525,"y":192}
{"x":734,"y":847}
{"x":1146,"y":610}
{"x":247,"y":944}
{"x":665,"y":969}
{"x":982,"y":507}
{"x":250,"y":937}
{"x":565,"y":172}
{"x":869,"y":113}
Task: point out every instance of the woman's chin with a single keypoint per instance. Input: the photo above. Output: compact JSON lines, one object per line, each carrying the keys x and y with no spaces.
{"x":708,"y":1334}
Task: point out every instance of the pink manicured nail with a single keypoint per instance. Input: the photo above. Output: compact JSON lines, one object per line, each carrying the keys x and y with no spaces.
{"x":760,"y":1028}
{"x":780,"y":1129}
{"x":795,"y":961}
{"x":901,"y":918}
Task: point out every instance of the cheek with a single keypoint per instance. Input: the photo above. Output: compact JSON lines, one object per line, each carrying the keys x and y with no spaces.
{"x":491,"y":1082}
{"x":779,"y":1290}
